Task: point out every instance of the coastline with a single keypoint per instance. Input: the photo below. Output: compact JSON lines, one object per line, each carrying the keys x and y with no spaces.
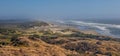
{"x":56,"y":38}
{"x":86,"y":30}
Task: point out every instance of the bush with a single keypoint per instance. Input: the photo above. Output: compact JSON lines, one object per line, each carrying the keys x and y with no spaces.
{"x":34,"y":37}
{"x":19,"y":42}
{"x":4,"y":43}
{"x":99,"y":43}
{"x":7,"y":31}
{"x":14,"y":38}
{"x":80,"y":47}
{"x":4,"y":37}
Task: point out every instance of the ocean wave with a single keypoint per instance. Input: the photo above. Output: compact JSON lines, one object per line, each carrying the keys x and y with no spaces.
{"x":103,"y":28}
{"x":60,"y":21}
{"x":98,"y":25}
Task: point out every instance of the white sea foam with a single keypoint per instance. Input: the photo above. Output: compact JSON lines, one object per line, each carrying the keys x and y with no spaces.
{"x":60,"y":21}
{"x":104,"y":28}
{"x":98,"y":25}
{"x":101,"y":28}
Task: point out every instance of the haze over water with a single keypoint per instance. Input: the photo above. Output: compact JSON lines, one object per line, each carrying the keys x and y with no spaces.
{"x":103,"y":26}
{"x":100,"y":15}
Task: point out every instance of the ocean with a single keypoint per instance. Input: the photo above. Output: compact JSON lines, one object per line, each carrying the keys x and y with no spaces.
{"x":108,"y":27}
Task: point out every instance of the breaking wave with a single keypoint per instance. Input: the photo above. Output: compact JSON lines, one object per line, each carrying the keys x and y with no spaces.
{"x":104,"y":28}
{"x":98,"y":25}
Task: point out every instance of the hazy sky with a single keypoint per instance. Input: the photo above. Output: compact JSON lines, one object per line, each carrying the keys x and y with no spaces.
{"x":61,"y":8}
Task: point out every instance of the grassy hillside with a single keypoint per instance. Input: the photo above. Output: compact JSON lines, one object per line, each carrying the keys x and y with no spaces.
{"x":42,"y":39}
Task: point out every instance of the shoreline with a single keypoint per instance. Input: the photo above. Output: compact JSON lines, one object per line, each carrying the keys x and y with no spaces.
{"x":85,"y":31}
{"x":88,"y":31}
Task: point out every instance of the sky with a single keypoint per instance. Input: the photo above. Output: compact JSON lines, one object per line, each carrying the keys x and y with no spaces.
{"x":61,"y":8}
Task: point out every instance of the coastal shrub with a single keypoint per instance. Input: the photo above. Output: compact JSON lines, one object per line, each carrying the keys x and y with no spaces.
{"x":4,"y":43}
{"x":13,"y":38}
{"x":19,"y":42}
{"x":7,"y":31}
{"x":4,"y":37}
{"x":82,"y":35}
{"x":49,"y":39}
{"x":34,"y":37}
{"x":80,"y":47}
{"x":58,"y":41}
{"x":27,"y":25}
{"x":108,"y":54}
{"x":98,"y":52}
{"x":49,"y":32}
{"x":71,"y":46}
{"x":46,"y":39}
{"x":99,"y":43}
{"x":84,"y":46}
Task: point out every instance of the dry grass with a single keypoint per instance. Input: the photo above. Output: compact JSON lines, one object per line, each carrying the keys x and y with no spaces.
{"x":87,"y":46}
{"x":35,"y":48}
